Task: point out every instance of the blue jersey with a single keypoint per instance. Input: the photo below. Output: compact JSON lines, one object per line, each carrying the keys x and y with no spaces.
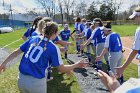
{"x":113,"y":42}
{"x":79,"y":28}
{"x":37,"y":58}
{"x":75,"y":25}
{"x":139,"y":52}
{"x":56,"y":39}
{"x":28,"y":32}
{"x":88,"y":33}
{"x":65,"y":35}
{"x":98,"y":35}
{"x":36,"y":33}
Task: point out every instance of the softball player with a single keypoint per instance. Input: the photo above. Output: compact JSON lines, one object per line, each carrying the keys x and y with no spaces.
{"x":136,"y":43}
{"x":78,"y":28}
{"x":39,"y":53}
{"x":29,"y":31}
{"x":65,"y":35}
{"x":87,"y":34}
{"x":113,"y":45}
{"x":38,"y":31}
{"x":98,"y":37}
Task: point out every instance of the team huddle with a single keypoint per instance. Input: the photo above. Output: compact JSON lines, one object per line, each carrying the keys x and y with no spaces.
{"x":40,"y":50}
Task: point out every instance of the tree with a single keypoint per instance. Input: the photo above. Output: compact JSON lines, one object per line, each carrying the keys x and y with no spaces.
{"x":115,"y":6}
{"x":68,"y":5}
{"x":105,"y":12}
{"x":48,"y":6}
{"x":60,"y":2}
{"x":81,"y":9}
{"x":92,"y":12}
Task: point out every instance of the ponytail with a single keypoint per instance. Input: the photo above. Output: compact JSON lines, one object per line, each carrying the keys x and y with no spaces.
{"x":34,"y":25}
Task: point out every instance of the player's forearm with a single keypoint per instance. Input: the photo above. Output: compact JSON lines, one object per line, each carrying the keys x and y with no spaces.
{"x":88,"y":42}
{"x":12,"y":56}
{"x":61,"y":42}
{"x":103,"y":52}
{"x":67,"y":68}
{"x":130,"y":58}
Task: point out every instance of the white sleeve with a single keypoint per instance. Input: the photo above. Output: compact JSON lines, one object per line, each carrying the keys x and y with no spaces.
{"x":136,"y":44}
{"x":130,"y":85}
{"x":93,"y":33}
{"x":107,"y":42}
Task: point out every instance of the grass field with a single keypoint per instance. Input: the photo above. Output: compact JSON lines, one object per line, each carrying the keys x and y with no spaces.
{"x":61,"y":82}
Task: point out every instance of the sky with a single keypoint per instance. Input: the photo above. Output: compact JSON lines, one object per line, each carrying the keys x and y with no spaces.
{"x":20,"y":6}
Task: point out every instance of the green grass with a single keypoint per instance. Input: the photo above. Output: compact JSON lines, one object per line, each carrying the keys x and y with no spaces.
{"x":61,"y":83}
{"x":8,"y":79}
{"x":125,"y":30}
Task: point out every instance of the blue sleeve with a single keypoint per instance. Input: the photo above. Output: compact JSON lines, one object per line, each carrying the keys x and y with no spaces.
{"x":27,"y":33}
{"x":81,"y":27}
{"x":135,"y":90}
{"x":88,"y":34}
{"x":24,"y":47}
{"x":69,"y":33}
{"x":56,"y":57}
{"x":139,"y":52}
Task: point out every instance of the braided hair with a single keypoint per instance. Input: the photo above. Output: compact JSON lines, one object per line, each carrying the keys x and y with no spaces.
{"x":49,"y":29}
{"x":34,"y":25}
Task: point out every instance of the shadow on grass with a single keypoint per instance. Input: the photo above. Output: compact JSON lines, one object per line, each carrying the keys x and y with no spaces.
{"x":78,"y":70}
{"x":102,"y":89}
{"x":58,"y":85}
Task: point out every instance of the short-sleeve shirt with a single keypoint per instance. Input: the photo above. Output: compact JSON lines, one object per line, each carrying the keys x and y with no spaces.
{"x":113,"y":42}
{"x":28,"y":32}
{"x":35,"y":33}
{"x":88,"y":33}
{"x":38,"y":57}
{"x":65,"y":35}
{"x":56,"y":39}
{"x":98,"y":35}
{"x":79,"y":28}
{"x":136,"y":44}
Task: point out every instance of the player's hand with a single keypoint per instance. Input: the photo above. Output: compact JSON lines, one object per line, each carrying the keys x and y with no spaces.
{"x":82,"y":46}
{"x":82,"y":64}
{"x":62,"y":49}
{"x":2,"y":67}
{"x":119,"y":71}
{"x":98,"y":58}
{"x":110,"y":81}
{"x":70,"y":43}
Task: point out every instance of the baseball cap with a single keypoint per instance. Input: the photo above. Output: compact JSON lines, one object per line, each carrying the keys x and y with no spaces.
{"x":135,"y":13}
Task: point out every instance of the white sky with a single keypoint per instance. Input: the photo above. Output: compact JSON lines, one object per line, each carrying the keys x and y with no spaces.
{"x":20,"y":6}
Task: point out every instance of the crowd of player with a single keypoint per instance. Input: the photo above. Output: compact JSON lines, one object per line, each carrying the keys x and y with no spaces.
{"x":41,"y":51}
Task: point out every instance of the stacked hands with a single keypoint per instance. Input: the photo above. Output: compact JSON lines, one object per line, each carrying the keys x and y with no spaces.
{"x":79,"y":64}
{"x":82,"y":64}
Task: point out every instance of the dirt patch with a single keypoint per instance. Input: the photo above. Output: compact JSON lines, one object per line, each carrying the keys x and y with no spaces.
{"x":127,"y":45}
